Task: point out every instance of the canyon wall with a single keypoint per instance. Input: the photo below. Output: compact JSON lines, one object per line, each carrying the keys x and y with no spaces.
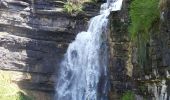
{"x":151,"y":80}
{"x":120,"y":59}
{"x":34,"y":35}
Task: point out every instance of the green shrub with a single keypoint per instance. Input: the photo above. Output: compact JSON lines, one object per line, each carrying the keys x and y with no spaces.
{"x":71,"y":7}
{"x":129,"y":95}
{"x":22,"y":96}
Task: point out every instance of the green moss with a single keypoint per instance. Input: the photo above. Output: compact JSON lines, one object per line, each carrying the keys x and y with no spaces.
{"x":142,"y":88}
{"x":22,"y":96}
{"x":143,"y":14}
{"x":129,"y":95}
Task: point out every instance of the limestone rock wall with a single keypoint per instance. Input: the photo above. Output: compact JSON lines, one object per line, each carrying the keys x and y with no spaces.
{"x":146,"y":82}
{"x":34,"y":35}
{"x":120,"y":62}
{"x":156,"y":72}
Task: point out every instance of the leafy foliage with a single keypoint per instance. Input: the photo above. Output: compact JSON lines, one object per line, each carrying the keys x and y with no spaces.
{"x":143,"y":14}
{"x":9,"y":90}
{"x":71,"y":7}
{"x":75,"y":6}
{"x":129,"y":95}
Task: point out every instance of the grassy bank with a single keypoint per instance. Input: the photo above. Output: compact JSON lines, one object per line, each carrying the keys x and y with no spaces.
{"x":10,"y":90}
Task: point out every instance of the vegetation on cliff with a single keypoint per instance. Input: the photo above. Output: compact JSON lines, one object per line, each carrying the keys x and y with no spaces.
{"x":143,"y":14}
{"x":9,"y":90}
{"x":75,"y":6}
{"x":71,"y":7}
{"x":129,"y":95}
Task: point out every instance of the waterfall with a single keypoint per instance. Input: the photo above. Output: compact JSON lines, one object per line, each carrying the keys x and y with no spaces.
{"x":159,"y":91}
{"x":83,"y":73}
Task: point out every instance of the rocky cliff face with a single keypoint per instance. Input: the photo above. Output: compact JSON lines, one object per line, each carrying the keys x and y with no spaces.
{"x":149,"y":82}
{"x":34,"y":35}
{"x":120,"y":62}
{"x":152,"y":80}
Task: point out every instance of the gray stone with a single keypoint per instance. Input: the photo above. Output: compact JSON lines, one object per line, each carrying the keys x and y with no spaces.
{"x":34,"y":36}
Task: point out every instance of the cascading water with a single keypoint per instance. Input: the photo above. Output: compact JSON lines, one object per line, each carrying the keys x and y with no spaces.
{"x":83,"y":74}
{"x":159,"y":91}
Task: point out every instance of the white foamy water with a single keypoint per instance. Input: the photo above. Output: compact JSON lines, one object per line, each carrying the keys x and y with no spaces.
{"x":159,"y":91}
{"x":83,"y":73}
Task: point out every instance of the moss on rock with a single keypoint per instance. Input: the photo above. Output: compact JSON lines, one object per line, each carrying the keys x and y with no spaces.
{"x":143,"y":14}
{"x":129,"y":95}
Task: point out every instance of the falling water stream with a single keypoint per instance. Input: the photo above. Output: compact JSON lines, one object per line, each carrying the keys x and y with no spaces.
{"x":83,"y":73}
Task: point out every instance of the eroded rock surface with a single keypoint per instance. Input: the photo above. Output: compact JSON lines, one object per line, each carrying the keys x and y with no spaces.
{"x":34,"y":35}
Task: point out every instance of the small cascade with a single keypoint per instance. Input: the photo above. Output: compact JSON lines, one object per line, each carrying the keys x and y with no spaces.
{"x":83,"y":73}
{"x":159,"y":91}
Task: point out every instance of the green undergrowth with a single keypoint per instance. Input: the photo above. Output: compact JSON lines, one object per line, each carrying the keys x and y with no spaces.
{"x":143,"y":15}
{"x":9,"y":90}
{"x":129,"y":95}
{"x":73,"y":6}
